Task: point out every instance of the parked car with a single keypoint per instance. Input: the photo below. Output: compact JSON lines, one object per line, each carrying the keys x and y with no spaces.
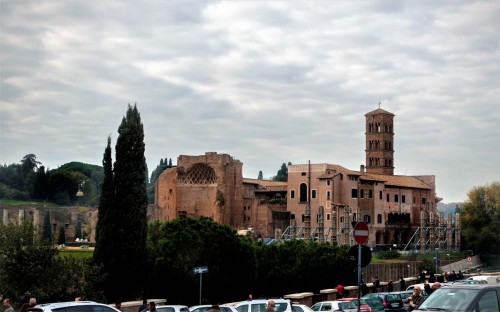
{"x":259,"y":305}
{"x":391,"y":302}
{"x":334,"y":306}
{"x":301,"y":308}
{"x":363,"y":306}
{"x":73,"y":306}
{"x":375,"y":304}
{"x":463,"y":298}
{"x":172,"y":308}
{"x":206,"y":307}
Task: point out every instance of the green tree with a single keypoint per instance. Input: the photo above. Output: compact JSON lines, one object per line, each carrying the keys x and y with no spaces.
{"x":282,"y":174}
{"x":122,"y":230}
{"x":78,"y":229}
{"x":29,"y":264}
{"x":178,"y":246}
{"x":61,"y":239}
{"x":481,"y":218}
{"x":47,"y":229}
{"x":41,"y":187}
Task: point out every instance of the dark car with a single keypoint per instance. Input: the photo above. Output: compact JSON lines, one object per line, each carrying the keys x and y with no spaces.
{"x":391,"y":302}
{"x":375,"y":304}
{"x":463,"y":298}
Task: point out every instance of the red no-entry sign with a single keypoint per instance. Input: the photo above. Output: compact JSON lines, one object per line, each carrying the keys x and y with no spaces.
{"x":361,"y":233}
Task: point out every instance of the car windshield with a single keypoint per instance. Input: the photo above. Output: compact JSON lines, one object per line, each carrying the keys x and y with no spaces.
{"x":347,"y":305}
{"x":449,"y":299}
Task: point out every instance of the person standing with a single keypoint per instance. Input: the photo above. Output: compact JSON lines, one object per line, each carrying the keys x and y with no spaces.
{"x":390,"y":286}
{"x":152,"y":306}
{"x":144,"y":306}
{"x":415,"y":299}
{"x":8,"y":307}
{"x":31,"y":303}
{"x":376,"y":284}
{"x":340,"y":291}
{"x":270,"y":306}
{"x":402,"y":284}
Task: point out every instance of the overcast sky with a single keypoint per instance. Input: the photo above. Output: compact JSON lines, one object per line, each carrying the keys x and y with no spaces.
{"x":268,"y":82}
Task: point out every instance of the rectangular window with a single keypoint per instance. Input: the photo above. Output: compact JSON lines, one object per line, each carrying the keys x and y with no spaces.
{"x":328,"y":195}
{"x":396,"y":198}
{"x":328,"y":182}
{"x":313,"y":195}
{"x":328,"y":217}
{"x":380,"y":194}
{"x":362,"y":193}
{"x":370,"y":194}
{"x":403,"y":199}
{"x":354,"y":193}
{"x":388,"y":199}
{"x":292,"y":216}
{"x":303,"y":218}
{"x":379,"y":218}
{"x":423,"y":200}
{"x":292,"y":194}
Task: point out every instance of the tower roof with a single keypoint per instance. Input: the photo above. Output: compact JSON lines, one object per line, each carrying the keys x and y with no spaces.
{"x":379,"y":111}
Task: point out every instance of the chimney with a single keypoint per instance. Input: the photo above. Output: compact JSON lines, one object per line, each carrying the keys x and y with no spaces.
{"x":362,"y":168}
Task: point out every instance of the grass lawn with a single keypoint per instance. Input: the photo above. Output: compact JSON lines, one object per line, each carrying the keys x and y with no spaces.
{"x":32,"y":203}
{"x":75,"y":252}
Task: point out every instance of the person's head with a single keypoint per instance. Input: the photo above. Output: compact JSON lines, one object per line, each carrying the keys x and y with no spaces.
{"x":118,"y":304}
{"x":416,"y":290}
{"x":32,"y":301}
{"x":78,"y":299}
{"x":152,"y":305}
{"x":144,"y":301}
{"x":436,"y":285}
{"x":271,"y":304}
{"x":6,"y":302}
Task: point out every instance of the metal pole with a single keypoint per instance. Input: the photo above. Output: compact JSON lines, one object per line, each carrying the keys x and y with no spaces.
{"x":359,"y":276}
{"x":201,"y":276}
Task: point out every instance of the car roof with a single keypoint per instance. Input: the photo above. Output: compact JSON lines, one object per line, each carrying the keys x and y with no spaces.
{"x":277,"y":300}
{"x":171,"y":306}
{"x":472,"y":286}
{"x":57,"y":305}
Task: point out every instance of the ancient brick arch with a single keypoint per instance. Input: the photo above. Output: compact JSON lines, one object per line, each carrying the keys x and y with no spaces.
{"x":199,"y":173}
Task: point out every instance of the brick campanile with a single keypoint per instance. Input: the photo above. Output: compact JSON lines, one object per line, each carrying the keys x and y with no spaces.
{"x":379,"y":136}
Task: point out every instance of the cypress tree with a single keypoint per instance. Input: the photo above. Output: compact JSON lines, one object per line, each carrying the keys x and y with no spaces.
{"x":78,"y":229}
{"x":121,"y":240}
{"x":61,"y":239}
{"x":47,"y":228}
{"x":104,"y":227}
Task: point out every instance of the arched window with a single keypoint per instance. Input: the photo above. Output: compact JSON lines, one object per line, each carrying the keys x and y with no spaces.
{"x":303,"y":192}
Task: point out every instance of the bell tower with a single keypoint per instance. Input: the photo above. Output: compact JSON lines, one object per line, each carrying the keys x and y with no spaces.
{"x":379,"y":136}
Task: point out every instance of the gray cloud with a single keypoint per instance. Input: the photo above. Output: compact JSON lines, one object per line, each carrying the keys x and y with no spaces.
{"x":267,"y":82}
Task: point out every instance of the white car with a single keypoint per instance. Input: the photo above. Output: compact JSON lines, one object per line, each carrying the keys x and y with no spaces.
{"x":206,"y":307}
{"x":301,"y":308}
{"x":73,"y":306}
{"x":334,"y":306}
{"x":259,"y":305}
{"x":172,"y":308}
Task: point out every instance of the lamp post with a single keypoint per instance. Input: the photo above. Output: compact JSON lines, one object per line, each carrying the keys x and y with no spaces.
{"x":436,"y":249}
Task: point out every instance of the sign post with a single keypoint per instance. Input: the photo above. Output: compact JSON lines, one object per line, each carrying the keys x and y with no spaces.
{"x":200,"y":270}
{"x":361,"y":237}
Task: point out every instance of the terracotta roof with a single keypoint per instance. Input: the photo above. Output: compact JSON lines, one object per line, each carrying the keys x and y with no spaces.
{"x":379,"y":111}
{"x":266,"y":183}
{"x":396,"y":180}
{"x":334,"y":170}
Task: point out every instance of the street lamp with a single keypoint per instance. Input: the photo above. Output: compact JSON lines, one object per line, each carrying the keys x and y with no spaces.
{"x":437,"y":249}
